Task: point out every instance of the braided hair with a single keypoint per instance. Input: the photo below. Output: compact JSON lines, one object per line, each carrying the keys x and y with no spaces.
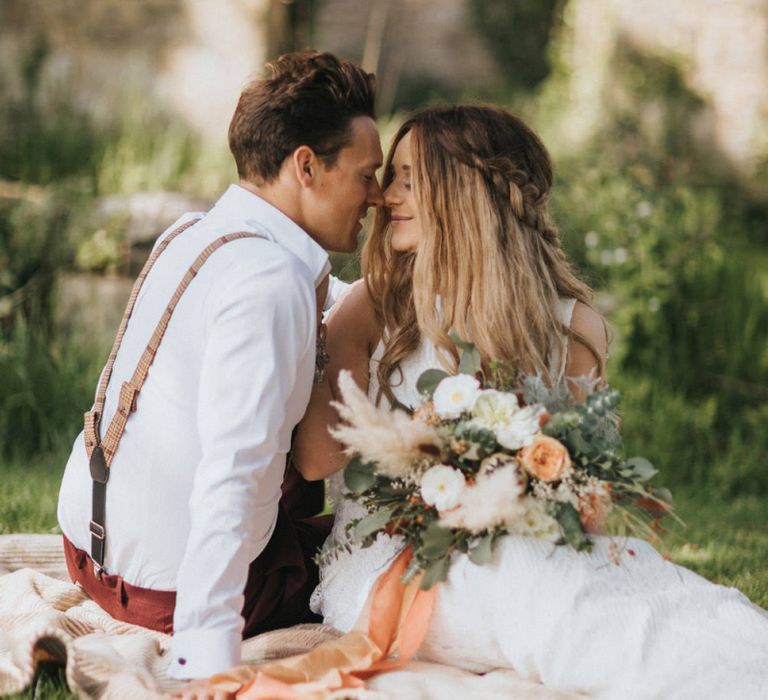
{"x":489,"y":250}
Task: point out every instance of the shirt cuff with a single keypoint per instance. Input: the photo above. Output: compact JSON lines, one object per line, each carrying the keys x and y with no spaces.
{"x":203,"y":653}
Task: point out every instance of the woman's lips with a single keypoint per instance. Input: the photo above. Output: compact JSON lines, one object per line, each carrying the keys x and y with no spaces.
{"x":400,"y":219}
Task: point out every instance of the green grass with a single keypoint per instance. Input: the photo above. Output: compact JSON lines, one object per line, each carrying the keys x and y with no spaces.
{"x":725,"y":541}
{"x":49,"y":684}
{"x":30,"y":490}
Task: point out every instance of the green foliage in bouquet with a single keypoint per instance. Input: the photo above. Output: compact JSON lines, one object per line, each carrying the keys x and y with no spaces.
{"x":475,"y":462}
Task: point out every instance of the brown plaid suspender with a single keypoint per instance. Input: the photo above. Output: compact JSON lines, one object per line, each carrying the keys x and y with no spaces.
{"x":101,"y":452}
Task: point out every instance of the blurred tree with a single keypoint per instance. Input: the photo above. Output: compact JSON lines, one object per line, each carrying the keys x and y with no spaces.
{"x":517,"y":34}
{"x":290,"y":25}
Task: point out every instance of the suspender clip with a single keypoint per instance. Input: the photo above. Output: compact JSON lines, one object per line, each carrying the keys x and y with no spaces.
{"x":96,"y":530}
{"x":98,"y":464}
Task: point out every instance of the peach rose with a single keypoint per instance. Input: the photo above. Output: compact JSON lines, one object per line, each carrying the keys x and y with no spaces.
{"x":545,"y":458}
{"x":595,"y":507}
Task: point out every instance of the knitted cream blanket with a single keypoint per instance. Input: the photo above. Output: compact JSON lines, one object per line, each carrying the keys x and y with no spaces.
{"x":44,"y":617}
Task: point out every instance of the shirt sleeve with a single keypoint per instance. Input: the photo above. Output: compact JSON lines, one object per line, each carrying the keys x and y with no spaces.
{"x":261,"y":328}
{"x":336,"y":290}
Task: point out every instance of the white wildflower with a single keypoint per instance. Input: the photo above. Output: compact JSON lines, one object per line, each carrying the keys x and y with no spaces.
{"x":442,"y":486}
{"x":494,"y":410}
{"x":454,"y":395}
{"x":390,"y":438}
{"x":644,"y":209}
{"x":490,"y":502}
{"x":620,"y":255}
{"x":519,"y":432}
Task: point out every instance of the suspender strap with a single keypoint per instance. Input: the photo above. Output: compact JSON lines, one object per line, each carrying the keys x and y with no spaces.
{"x":93,"y":417}
{"x":102,"y":452}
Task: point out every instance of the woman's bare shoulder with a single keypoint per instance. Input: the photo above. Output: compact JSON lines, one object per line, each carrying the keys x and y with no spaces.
{"x":588,"y":324}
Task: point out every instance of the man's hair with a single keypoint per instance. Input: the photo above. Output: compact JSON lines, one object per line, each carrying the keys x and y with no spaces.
{"x":308,"y":98}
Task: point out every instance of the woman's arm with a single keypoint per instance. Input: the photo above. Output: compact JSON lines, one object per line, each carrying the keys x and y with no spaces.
{"x":353,"y":333}
{"x":581,"y":360}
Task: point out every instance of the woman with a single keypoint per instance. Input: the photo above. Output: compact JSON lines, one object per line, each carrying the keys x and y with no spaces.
{"x":465,"y":243}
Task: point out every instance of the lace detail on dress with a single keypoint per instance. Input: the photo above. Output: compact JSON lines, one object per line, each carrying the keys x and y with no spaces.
{"x":346,"y":579}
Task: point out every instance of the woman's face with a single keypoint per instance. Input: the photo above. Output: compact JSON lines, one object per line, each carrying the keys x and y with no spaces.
{"x":399,"y":199}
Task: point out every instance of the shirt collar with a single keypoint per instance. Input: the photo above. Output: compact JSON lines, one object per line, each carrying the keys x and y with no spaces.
{"x":259,"y":214}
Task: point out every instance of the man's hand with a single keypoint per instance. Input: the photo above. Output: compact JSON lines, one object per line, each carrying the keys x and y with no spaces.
{"x":201,"y":690}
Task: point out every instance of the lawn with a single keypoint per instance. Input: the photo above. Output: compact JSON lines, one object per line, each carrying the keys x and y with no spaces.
{"x":724,"y":540}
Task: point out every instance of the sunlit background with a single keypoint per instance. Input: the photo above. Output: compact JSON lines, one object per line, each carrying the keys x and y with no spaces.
{"x":113,"y":116}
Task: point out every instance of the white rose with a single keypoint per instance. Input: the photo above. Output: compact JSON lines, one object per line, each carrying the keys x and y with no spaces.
{"x":520,"y":430}
{"x":454,"y":395}
{"x":493,"y":409}
{"x":442,"y":486}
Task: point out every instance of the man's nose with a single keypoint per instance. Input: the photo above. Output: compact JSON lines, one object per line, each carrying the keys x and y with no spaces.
{"x":375,"y":195}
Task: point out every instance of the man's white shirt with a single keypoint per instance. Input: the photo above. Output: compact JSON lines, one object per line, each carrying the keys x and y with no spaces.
{"x":194,"y":486}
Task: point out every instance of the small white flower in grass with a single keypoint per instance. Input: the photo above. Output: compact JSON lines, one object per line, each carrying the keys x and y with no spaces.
{"x":442,"y":486}
{"x":454,"y":395}
{"x":519,"y":432}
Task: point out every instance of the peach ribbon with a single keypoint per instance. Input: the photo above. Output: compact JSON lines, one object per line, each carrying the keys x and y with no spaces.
{"x":388,"y":632}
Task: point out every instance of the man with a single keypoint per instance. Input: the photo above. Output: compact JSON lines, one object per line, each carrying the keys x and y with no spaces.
{"x":191,"y":515}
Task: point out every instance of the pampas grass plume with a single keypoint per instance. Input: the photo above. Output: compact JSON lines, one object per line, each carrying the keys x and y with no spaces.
{"x":388,"y":437}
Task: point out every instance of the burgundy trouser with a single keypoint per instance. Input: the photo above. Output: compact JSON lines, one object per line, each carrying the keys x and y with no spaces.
{"x":280,"y":581}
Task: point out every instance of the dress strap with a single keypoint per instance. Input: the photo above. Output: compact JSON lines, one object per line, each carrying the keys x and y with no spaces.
{"x":102,"y":452}
{"x":559,"y":356}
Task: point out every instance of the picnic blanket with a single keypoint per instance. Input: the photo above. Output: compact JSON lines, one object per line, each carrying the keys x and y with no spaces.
{"x":44,"y":617}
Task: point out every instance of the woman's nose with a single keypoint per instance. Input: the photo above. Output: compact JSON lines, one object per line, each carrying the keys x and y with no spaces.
{"x":391,"y":195}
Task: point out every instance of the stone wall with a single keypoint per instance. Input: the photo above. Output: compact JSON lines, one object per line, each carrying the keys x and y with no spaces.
{"x":402,"y":39}
{"x":721,"y":47}
{"x":189,"y":56}
{"x":193,"y":56}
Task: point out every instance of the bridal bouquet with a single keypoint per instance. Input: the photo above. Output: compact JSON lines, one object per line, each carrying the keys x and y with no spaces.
{"x":480,"y":460}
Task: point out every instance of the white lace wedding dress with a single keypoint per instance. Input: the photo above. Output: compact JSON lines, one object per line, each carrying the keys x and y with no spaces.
{"x":642,"y":629}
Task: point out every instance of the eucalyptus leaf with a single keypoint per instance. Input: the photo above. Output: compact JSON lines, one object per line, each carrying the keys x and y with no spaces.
{"x":642,"y":469}
{"x":460,"y":343}
{"x":428,"y":381}
{"x":576,"y":443}
{"x":470,"y":362}
{"x":359,"y":476}
{"x":372,"y":523}
{"x":664,"y":495}
{"x":435,"y":541}
{"x":570,"y":525}
{"x":481,"y":553}
{"x":436,"y":572}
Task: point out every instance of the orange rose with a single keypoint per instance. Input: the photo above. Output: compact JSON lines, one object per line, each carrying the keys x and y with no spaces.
{"x":594,"y":508}
{"x":545,"y":459}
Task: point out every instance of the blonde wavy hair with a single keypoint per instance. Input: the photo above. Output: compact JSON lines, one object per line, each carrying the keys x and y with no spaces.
{"x":488,"y":250}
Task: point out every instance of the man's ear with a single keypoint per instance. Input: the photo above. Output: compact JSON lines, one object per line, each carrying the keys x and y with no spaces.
{"x":305,"y":165}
